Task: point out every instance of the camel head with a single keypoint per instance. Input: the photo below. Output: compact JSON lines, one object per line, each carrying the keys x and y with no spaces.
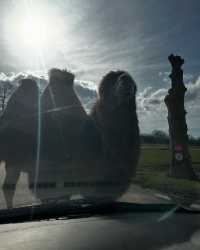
{"x":117,"y":88}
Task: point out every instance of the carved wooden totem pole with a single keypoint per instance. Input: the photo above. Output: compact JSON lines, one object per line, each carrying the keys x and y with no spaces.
{"x":181,"y":166}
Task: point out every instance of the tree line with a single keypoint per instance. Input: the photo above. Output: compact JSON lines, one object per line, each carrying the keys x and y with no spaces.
{"x":161,"y":137}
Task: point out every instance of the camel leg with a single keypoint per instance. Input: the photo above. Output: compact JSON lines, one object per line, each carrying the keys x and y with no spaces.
{"x":10,"y":182}
{"x":31,"y":179}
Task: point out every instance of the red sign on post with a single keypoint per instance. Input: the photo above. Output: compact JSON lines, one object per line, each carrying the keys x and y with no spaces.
{"x":178,"y":147}
{"x":179,"y":152}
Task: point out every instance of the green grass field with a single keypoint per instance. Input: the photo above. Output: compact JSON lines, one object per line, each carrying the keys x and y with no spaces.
{"x":153,"y":172}
{"x":160,"y":155}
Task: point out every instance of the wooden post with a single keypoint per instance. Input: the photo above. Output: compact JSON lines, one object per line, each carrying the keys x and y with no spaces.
{"x":181,"y":165}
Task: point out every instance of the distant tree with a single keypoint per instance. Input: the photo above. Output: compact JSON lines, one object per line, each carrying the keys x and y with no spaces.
{"x":193,"y":141}
{"x":147,"y":139}
{"x":160,"y":137}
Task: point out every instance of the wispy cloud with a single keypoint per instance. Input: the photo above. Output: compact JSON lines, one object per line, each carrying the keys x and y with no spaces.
{"x":153,"y":112}
{"x":86,"y":90}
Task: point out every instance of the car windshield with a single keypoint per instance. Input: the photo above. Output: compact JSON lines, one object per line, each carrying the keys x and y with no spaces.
{"x":99,"y":101}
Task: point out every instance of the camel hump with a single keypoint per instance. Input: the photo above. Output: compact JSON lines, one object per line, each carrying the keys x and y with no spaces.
{"x":59,"y":96}
{"x":19,"y":120}
{"x":61,"y":76}
{"x":62,"y":116}
{"x":22,"y":105}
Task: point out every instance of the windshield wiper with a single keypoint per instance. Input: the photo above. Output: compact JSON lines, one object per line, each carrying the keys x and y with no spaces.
{"x":80,"y":209}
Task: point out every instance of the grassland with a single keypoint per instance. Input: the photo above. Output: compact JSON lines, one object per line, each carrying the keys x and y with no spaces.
{"x":153,"y":173}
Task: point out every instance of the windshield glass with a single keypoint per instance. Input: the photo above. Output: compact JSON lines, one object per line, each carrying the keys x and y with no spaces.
{"x":93,"y":104}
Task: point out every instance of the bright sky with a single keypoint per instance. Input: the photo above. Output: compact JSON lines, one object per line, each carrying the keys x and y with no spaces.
{"x":92,"y":37}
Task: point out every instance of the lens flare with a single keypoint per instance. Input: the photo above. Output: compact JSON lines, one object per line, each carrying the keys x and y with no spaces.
{"x":32,"y":30}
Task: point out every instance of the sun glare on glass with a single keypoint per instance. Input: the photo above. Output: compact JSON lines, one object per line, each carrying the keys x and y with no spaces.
{"x":34,"y":32}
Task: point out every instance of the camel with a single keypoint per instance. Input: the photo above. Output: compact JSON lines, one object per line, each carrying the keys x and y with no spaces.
{"x":115,"y":117}
{"x":18,"y":130}
{"x":43,"y":126}
{"x":53,"y":139}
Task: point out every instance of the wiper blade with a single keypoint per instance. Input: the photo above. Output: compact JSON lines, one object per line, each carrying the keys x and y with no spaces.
{"x":79,"y":209}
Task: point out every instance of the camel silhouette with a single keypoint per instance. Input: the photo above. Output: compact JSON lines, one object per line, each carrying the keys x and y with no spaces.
{"x":53,"y":139}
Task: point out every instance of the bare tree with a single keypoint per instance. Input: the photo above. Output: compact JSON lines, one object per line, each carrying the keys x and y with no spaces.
{"x":181,"y":163}
{"x":5,"y":91}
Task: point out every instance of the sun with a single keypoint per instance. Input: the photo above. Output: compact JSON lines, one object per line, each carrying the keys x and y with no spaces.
{"x":37,"y":34}
{"x":34,"y":32}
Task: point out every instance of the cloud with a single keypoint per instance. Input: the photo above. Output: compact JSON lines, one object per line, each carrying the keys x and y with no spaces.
{"x":86,"y":90}
{"x":150,"y":99}
{"x":87,"y":93}
{"x":152,"y":111}
{"x":193,"y":93}
{"x":14,"y":78}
